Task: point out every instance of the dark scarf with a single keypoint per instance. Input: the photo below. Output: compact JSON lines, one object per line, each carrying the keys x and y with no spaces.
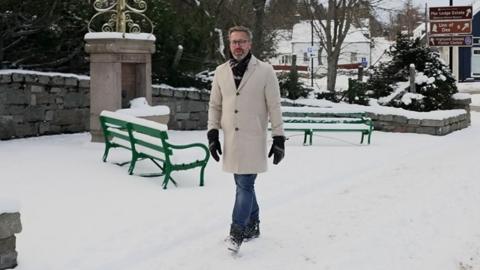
{"x":239,"y":67}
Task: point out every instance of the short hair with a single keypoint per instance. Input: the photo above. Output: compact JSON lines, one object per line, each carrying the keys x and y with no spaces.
{"x":240,"y":28}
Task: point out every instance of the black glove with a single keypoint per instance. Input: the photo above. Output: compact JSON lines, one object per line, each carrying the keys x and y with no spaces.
{"x":278,"y":149}
{"x":214,"y":144}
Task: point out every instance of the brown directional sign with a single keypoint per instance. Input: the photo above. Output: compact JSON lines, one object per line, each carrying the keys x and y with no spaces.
{"x":450,"y":27}
{"x":451,"y":13}
{"x":457,"y":41}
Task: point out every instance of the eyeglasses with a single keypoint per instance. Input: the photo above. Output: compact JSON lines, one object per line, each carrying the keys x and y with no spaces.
{"x":238,"y":42}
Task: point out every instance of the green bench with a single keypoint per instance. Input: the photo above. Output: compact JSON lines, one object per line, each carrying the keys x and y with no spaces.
{"x":147,"y":140}
{"x":310,"y":120}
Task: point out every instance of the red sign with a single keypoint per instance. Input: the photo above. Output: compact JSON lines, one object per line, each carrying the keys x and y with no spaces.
{"x":457,"y":41}
{"x":451,"y":27}
{"x":451,"y":13}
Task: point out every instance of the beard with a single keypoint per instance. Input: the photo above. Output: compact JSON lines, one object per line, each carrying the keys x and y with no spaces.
{"x":239,"y":54}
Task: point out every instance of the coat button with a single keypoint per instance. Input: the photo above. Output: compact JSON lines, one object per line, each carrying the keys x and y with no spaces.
{"x":238,"y":94}
{"x":236,"y":129}
{"x":236,"y":111}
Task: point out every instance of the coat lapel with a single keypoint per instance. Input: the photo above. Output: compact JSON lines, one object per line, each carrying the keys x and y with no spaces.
{"x":250,"y":70}
{"x":230,"y":77}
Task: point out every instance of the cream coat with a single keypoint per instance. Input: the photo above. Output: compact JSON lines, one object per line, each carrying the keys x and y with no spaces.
{"x":243,"y":115}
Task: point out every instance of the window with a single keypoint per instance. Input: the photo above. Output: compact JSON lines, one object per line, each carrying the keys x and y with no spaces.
{"x":285,"y":59}
{"x":475,"y":64}
{"x":305,"y":57}
{"x":353,"y":57}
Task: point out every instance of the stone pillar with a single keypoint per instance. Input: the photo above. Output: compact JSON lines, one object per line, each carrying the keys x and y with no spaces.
{"x":9,"y":226}
{"x":120,"y":70}
{"x":463,"y":103}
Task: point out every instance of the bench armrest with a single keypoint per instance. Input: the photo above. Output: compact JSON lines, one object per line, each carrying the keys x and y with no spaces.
{"x":186,"y":146}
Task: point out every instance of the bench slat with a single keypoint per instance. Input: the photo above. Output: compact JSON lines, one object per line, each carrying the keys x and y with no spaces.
{"x":325,"y":126}
{"x":325,"y":120}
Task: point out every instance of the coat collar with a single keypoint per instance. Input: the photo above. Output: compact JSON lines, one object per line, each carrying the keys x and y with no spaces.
{"x":250,"y":70}
{"x":252,"y":64}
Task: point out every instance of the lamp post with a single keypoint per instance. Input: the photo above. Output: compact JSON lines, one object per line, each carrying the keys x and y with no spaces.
{"x":311,"y":54}
{"x":450,"y":50}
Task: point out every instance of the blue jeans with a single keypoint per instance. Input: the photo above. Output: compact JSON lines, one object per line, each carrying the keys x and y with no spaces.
{"x":246,"y":208}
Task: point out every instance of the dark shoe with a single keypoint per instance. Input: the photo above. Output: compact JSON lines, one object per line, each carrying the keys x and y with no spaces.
{"x":235,"y":239}
{"x":252,"y":231}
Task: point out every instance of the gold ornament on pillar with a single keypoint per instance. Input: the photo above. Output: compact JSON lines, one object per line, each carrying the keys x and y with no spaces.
{"x":120,"y":17}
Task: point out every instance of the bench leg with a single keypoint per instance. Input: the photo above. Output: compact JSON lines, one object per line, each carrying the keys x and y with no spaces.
{"x":132,"y":164}
{"x":307,"y":134}
{"x":363,"y":134}
{"x":202,"y":170}
{"x":105,"y":154}
{"x":369,"y":134}
{"x":165,"y":180}
{"x":158,"y":165}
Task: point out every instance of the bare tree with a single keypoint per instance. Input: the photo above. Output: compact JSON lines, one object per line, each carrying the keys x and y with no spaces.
{"x":333,"y":19}
{"x":407,"y":19}
{"x":45,"y":35}
{"x":252,"y":14}
{"x":16,"y":27}
{"x":258,"y":26}
{"x":282,"y":14}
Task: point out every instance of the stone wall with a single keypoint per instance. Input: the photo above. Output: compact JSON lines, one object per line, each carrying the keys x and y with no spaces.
{"x":35,"y":104}
{"x":188,"y":107}
{"x":9,"y":225}
{"x":398,"y":123}
{"x":39,"y":104}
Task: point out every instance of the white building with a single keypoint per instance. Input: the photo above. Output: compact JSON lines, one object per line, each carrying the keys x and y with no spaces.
{"x":355,"y":48}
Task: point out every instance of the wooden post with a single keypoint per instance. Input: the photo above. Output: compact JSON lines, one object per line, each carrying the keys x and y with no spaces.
{"x":412,"y":79}
{"x":311,"y":57}
{"x":360,"y":73}
{"x":294,"y":63}
{"x":178,"y":55}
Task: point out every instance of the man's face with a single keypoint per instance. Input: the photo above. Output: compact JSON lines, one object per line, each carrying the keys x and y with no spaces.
{"x":240,"y":44}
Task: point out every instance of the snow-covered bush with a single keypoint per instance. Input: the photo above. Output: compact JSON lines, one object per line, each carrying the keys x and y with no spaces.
{"x":356,"y":92}
{"x":291,"y":87}
{"x":434,"y":82}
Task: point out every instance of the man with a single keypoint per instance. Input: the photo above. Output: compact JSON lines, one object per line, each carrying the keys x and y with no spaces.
{"x":245,"y":94}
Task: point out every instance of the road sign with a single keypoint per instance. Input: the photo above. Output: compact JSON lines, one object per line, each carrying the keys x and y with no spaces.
{"x":364,"y":62}
{"x":457,"y":41}
{"x":451,"y":13}
{"x":312,"y":51}
{"x":450,"y":27}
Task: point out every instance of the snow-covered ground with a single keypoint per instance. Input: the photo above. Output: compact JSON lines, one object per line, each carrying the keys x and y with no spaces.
{"x":407,"y":201}
{"x":472,"y":88}
{"x":475,"y":100}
